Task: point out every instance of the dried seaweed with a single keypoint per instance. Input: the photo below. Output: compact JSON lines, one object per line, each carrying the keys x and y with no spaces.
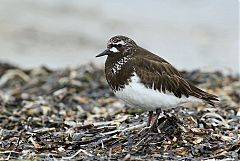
{"x":71,"y":114}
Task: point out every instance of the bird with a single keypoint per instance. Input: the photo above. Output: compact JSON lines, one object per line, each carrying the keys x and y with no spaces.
{"x":144,"y":80}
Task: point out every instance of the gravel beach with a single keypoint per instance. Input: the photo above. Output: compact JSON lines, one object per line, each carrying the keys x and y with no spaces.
{"x":71,"y":114}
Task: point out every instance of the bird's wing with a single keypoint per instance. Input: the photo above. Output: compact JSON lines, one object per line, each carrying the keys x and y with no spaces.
{"x":157,"y":73}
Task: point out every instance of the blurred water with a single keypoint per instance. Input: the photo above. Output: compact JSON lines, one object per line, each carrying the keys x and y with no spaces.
{"x":190,"y":34}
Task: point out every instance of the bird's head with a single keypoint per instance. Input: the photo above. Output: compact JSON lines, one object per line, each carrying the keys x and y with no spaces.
{"x":119,"y":46}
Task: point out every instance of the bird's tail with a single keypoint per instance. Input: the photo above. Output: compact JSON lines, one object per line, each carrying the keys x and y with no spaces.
{"x":207,"y":97}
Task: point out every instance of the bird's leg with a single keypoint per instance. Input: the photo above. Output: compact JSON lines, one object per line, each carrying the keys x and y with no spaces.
{"x":145,"y":130}
{"x":150,"y":117}
{"x":154,"y":124}
{"x":150,"y":128}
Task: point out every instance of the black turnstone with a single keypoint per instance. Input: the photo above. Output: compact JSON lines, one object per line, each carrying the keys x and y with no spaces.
{"x":147,"y":81}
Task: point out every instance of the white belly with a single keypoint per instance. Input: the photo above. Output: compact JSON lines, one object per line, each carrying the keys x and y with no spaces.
{"x":136,"y":94}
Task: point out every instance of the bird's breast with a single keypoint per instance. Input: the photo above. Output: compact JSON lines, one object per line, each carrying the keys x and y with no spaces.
{"x":118,"y":72}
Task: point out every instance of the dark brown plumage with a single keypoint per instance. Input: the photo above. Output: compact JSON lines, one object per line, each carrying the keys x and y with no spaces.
{"x":153,"y":69}
{"x":127,"y":60}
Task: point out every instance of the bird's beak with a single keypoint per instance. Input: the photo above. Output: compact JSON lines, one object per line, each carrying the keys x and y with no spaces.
{"x":105,"y":52}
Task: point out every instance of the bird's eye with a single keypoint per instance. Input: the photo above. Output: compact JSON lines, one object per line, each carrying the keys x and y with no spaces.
{"x":119,"y":45}
{"x":115,"y":45}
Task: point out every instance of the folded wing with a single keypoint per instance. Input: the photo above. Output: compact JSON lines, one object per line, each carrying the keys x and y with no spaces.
{"x":157,"y":73}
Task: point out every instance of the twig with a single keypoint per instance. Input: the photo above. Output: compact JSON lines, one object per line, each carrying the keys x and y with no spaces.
{"x":3,"y":152}
{"x":10,"y":152}
{"x":79,"y":151}
{"x":216,"y":156}
{"x":110,"y":154}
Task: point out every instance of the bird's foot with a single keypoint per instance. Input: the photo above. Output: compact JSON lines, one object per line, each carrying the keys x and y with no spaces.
{"x":165,"y":125}
{"x":146,"y":132}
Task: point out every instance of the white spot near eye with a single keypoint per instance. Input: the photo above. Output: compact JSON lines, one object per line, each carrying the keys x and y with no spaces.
{"x":113,"y":49}
{"x":120,"y":42}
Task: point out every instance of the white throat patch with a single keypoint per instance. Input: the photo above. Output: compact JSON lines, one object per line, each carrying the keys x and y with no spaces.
{"x":113,"y":49}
